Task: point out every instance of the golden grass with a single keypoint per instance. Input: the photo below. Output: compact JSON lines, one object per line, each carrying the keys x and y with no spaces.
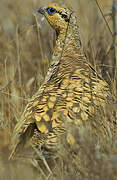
{"x":25,"y":52}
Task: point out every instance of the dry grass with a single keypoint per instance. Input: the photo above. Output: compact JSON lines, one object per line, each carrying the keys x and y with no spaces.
{"x":25,"y":52}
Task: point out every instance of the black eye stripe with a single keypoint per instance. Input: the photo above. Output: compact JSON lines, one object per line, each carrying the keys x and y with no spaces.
{"x":64,"y":16}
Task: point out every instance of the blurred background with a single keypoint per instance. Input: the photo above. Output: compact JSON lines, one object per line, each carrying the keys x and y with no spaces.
{"x":26,"y":46}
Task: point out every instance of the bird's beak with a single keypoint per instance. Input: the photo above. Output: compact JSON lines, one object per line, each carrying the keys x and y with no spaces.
{"x":42,"y":10}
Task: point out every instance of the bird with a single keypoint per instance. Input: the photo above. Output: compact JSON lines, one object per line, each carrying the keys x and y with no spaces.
{"x":72,"y":92}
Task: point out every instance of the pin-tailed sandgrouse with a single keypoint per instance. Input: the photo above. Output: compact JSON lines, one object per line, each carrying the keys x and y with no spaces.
{"x":71,"y":93}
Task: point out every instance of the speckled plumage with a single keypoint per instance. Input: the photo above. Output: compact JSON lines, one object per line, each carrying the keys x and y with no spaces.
{"x":72,"y":91}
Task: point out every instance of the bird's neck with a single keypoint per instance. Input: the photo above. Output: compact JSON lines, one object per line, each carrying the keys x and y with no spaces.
{"x":68,"y":42}
{"x":68,"y":45}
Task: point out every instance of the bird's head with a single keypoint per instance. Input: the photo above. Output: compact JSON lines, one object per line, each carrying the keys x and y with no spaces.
{"x":57,"y":17}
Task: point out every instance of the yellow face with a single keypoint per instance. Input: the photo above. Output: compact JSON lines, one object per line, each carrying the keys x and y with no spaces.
{"x":57,"y":17}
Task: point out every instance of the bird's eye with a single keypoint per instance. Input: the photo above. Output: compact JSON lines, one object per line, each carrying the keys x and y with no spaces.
{"x":51,"y":11}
